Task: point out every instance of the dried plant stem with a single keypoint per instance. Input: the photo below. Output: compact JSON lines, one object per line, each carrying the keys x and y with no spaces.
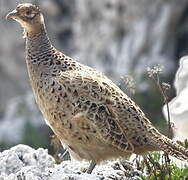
{"x":167,"y":162}
{"x":163,"y":93}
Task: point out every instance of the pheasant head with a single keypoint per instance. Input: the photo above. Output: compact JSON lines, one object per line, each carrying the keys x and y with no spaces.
{"x":29,"y":16}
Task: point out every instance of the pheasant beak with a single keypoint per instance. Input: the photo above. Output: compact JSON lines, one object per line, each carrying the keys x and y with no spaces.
{"x":13,"y":14}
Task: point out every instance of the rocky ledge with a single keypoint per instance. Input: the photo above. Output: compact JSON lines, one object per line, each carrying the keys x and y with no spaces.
{"x":22,"y":162}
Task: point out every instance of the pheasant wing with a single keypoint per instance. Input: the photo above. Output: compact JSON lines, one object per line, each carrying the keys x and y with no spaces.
{"x":94,"y":99}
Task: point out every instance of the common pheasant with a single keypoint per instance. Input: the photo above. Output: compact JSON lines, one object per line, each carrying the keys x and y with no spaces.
{"x":91,"y":116}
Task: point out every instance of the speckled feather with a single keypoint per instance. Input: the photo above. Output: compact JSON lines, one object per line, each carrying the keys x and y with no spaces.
{"x":91,"y":116}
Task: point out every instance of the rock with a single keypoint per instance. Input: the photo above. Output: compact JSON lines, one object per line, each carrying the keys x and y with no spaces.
{"x":178,"y":105}
{"x":25,"y":163}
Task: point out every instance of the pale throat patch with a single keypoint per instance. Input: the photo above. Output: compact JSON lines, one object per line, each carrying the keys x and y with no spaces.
{"x":24,"y":29}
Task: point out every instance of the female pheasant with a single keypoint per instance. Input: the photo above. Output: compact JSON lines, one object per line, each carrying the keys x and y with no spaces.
{"x":90,"y":115}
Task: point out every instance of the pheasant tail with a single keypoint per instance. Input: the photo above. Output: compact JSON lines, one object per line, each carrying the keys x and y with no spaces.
{"x":169,"y":146}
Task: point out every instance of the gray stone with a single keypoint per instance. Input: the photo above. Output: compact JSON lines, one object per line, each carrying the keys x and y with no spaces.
{"x":24,"y":163}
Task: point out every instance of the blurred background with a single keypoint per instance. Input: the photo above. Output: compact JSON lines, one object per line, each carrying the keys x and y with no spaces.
{"x":117,"y":37}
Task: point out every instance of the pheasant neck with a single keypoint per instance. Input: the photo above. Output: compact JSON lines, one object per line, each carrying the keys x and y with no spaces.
{"x":37,"y":44}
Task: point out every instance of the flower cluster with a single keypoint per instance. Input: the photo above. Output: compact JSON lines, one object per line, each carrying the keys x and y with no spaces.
{"x":155,"y":70}
{"x":129,"y":84}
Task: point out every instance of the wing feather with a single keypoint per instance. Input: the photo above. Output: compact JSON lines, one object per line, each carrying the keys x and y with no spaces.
{"x":95,"y":100}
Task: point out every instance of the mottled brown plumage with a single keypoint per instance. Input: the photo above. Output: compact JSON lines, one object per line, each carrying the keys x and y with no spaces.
{"x":91,"y":116}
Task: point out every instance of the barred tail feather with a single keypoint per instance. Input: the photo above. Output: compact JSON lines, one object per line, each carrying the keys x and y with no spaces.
{"x":170,"y":147}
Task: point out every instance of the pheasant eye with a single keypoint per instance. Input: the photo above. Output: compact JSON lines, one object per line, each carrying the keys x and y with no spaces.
{"x":29,"y":14}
